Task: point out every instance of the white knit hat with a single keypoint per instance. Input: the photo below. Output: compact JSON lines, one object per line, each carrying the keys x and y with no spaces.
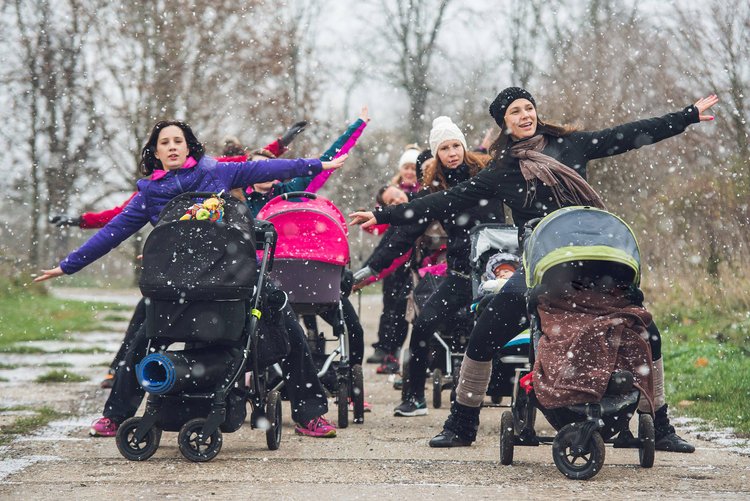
{"x":409,"y":157}
{"x":443,"y":129}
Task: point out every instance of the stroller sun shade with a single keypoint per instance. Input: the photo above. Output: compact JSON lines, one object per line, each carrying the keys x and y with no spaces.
{"x":577,"y":234}
{"x":309,"y":229}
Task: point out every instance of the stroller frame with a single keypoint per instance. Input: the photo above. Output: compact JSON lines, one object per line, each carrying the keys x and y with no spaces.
{"x":349,"y":378}
{"x":583,"y":429}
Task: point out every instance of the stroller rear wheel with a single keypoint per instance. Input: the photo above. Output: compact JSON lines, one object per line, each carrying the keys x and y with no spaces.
{"x":133,"y":450}
{"x":358,"y":394}
{"x":506,"y":438}
{"x":577,"y":465}
{"x":647,"y":436}
{"x":189,"y":440}
{"x":437,"y":388}
{"x":273,"y":415}
{"x":343,"y":400}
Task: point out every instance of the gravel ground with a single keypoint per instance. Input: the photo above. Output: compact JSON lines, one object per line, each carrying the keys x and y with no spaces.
{"x":384,"y":458}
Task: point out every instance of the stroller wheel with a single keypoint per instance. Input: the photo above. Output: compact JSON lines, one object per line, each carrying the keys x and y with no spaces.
{"x":191,"y":446}
{"x":575,"y":465}
{"x":358,"y":394}
{"x":273,"y":415}
{"x":343,"y":400}
{"x":131,"y":449}
{"x":506,"y":438}
{"x":437,"y":388}
{"x":647,"y":436}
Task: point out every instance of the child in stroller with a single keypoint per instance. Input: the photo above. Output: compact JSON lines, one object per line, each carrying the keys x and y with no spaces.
{"x":592,"y":365}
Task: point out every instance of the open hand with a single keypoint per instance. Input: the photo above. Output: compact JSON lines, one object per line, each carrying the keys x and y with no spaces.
{"x":48,"y":274}
{"x":705,"y":103}
{"x":366,"y":219}
{"x":364,"y":114}
{"x":335,"y":163}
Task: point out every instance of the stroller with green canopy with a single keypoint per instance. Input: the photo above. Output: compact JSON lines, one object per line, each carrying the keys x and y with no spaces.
{"x":591,"y":363}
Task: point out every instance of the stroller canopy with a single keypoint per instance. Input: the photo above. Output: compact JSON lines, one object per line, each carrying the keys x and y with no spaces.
{"x":309,"y":228}
{"x":493,"y":236}
{"x":574,"y":234}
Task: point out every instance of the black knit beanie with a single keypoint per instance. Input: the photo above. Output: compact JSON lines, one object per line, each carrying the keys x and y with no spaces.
{"x":500,"y":105}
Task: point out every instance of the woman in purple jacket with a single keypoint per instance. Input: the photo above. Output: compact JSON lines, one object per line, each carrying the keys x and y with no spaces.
{"x":174,"y":160}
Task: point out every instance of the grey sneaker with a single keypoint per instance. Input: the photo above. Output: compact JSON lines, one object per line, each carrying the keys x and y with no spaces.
{"x":411,"y":407}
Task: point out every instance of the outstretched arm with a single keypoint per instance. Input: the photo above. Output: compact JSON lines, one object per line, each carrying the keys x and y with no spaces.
{"x":341,"y":146}
{"x":633,"y":135}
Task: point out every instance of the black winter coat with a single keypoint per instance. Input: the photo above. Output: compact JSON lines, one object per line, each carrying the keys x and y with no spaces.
{"x":503,"y":179}
{"x":456,"y":224}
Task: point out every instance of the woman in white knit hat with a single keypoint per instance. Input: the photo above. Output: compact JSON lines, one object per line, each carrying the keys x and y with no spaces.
{"x":406,"y":177}
{"x":451,"y":164}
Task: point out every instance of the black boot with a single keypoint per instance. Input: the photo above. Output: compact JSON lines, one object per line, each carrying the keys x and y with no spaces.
{"x":666,"y":438}
{"x":460,"y":429}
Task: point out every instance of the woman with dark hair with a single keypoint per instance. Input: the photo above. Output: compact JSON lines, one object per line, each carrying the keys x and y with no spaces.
{"x":175,"y":162}
{"x":452,"y":164}
{"x":536,"y":169}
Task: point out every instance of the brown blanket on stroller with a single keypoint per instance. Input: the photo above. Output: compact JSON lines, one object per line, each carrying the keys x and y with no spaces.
{"x":587,"y":335}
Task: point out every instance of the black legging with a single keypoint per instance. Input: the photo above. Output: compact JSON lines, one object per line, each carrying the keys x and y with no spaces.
{"x":306,"y":394}
{"x":505,"y":317}
{"x":393,"y":327}
{"x":440,"y":309}
{"x":139,"y":316}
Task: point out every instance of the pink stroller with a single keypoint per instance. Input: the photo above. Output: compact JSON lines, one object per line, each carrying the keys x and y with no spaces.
{"x":311,"y":256}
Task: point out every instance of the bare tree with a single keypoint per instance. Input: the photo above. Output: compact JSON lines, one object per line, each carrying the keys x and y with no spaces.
{"x":410,"y":30}
{"x":61,"y":119}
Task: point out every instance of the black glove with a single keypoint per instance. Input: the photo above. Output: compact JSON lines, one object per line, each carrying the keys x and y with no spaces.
{"x":292,"y":132}
{"x":61,"y":220}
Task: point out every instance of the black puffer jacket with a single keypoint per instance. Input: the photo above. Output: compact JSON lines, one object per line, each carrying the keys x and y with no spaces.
{"x":503,"y":179}
{"x":456,"y":224}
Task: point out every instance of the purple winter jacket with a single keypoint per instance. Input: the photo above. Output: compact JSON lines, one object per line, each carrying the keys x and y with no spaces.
{"x":153,"y":195}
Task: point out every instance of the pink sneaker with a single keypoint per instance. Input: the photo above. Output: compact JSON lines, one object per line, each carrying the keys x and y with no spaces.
{"x":367,"y":405}
{"x":318,"y":427}
{"x":103,"y":427}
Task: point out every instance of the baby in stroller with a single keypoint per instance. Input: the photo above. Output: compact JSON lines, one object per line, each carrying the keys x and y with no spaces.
{"x":591,"y":359}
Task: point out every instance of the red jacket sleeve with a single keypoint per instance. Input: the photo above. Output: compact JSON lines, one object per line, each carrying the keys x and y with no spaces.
{"x":99,"y":219}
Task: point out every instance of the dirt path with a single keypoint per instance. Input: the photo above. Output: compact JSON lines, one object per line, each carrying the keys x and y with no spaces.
{"x":384,"y":458}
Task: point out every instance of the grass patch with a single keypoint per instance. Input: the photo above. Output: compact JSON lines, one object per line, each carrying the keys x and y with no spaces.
{"x":62,"y":365}
{"x":61,"y":376}
{"x":27,"y":424}
{"x":8,"y":366}
{"x":21,"y":349}
{"x":29,"y":315}
{"x":707,"y":366}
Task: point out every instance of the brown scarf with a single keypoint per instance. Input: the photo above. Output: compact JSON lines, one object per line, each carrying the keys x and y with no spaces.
{"x":568,"y":187}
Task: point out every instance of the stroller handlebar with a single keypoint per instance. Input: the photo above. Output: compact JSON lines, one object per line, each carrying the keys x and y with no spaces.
{"x":299,"y":194}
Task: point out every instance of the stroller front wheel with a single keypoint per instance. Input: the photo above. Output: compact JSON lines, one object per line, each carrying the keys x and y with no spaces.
{"x":575,"y":465}
{"x":273,"y":415}
{"x":647,"y":436}
{"x":342,"y":396}
{"x":437,"y":388}
{"x":507,"y":438}
{"x":358,"y":394}
{"x":131,"y":449}
{"x":192,"y":445}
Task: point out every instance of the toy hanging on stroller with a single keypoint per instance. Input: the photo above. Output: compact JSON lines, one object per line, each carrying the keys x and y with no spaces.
{"x":310,"y":266}
{"x":591,"y":361}
{"x":203,"y":289}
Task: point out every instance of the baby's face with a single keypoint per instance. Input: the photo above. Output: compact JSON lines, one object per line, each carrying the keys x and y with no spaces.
{"x":503,"y":273}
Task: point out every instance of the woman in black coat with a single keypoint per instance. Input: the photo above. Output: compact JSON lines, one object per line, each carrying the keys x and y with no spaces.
{"x":536,"y":169}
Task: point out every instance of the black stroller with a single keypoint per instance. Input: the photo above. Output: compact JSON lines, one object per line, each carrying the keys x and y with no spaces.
{"x":574,"y":249}
{"x":203,"y":289}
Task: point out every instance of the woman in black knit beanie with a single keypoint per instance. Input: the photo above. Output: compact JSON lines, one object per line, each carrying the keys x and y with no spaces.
{"x":536,"y":169}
